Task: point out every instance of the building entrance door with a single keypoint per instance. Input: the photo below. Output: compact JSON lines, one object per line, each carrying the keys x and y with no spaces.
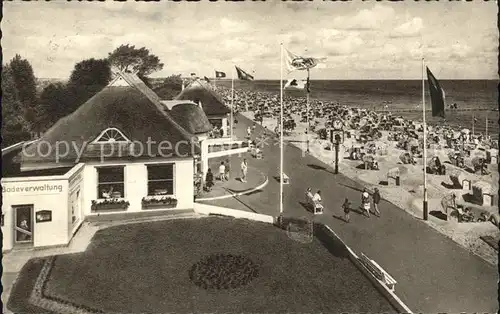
{"x":23,"y":227}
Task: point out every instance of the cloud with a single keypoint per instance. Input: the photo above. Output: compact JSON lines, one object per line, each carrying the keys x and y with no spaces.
{"x":411,"y":28}
{"x":231,"y":26}
{"x":191,"y":37}
{"x":366,"y":19}
{"x":337,"y":43}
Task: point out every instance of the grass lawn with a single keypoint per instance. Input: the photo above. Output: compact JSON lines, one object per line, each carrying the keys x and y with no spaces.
{"x":146,"y":267}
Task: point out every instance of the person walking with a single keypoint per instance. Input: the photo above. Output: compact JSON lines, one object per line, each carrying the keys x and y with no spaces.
{"x":244,"y":170}
{"x":365,"y":202}
{"x":347,"y":208}
{"x":376,"y":201}
{"x":222,"y":171}
{"x":209,"y":180}
{"x":227,"y":173}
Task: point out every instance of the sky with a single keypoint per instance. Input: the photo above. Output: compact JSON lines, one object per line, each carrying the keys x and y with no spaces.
{"x":360,"y":39}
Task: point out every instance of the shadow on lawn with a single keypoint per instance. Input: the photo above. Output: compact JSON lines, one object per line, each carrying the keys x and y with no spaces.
{"x":333,"y":244}
{"x":21,"y":291}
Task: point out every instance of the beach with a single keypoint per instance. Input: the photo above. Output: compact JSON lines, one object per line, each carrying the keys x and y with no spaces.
{"x":409,"y":194}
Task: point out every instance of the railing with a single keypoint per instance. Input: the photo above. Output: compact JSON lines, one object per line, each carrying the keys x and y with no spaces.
{"x":227,"y":146}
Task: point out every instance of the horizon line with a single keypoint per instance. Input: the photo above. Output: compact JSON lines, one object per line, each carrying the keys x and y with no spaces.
{"x":322,"y":79}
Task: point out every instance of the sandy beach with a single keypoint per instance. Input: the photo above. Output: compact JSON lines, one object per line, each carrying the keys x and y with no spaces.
{"x":409,"y":195}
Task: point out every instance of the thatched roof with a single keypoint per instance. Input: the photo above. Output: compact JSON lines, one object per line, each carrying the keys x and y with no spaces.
{"x":135,"y":110}
{"x":212,"y":103}
{"x":191,"y":117}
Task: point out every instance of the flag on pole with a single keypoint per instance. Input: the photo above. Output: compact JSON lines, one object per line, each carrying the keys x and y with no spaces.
{"x":296,"y":62}
{"x":242,"y":75}
{"x":293,"y":84}
{"x":437,"y":95}
{"x":219,"y":74}
{"x":206,"y":79}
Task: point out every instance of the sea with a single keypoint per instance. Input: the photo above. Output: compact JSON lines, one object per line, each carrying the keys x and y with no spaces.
{"x":477,"y":100}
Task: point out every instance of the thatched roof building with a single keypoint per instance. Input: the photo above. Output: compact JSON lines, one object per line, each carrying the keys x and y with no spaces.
{"x":212,"y":103}
{"x":189,"y":115}
{"x":131,"y":110}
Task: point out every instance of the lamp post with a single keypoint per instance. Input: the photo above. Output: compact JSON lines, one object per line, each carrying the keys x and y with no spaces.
{"x":336,"y":138}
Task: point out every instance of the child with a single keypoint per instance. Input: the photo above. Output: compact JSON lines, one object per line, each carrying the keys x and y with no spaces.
{"x":347,"y":208}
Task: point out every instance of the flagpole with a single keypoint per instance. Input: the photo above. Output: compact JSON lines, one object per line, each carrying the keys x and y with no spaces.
{"x":486,"y":137}
{"x":307,"y":102}
{"x":232,"y":102}
{"x":425,"y":208}
{"x":281,"y":130}
{"x":473,"y":120}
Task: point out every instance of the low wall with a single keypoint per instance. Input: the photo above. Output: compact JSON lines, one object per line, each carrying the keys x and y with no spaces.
{"x":216,"y":210}
{"x":326,"y":235}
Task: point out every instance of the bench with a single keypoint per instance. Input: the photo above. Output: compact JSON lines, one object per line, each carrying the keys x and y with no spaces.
{"x":378,"y":272}
{"x":256,"y":153}
{"x":317,"y":208}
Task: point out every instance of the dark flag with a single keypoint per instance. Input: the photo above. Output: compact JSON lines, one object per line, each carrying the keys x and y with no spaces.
{"x":242,"y":75}
{"x":206,"y":79}
{"x":437,"y":95}
{"x":219,"y":74}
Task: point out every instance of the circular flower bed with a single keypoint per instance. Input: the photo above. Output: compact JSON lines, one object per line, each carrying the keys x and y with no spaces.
{"x":223,"y":271}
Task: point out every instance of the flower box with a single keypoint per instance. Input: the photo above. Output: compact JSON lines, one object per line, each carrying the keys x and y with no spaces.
{"x":153,"y":202}
{"x":109,"y":204}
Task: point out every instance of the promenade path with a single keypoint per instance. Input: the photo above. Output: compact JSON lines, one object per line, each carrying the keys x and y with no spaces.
{"x":434,"y":273}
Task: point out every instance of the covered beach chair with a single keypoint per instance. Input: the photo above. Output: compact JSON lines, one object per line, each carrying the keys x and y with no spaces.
{"x":393,"y":176}
{"x":406,"y":158}
{"x":482,"y":192}
{"x":370,"y":162}
{"x":479,"y":165}
{"x":434,"y":166}
{"x":457,"y":159}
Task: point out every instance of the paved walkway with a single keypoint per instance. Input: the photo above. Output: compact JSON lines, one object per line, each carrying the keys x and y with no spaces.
{"x":255,"y":178}
{"x":434,"y":274}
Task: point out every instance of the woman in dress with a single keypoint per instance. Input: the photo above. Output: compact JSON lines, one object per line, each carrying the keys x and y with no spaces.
{"x":365,"y":202}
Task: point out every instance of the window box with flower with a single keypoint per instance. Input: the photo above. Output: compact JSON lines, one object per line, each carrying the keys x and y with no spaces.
{"x":153,"y":202}
{"x":109,"y":204}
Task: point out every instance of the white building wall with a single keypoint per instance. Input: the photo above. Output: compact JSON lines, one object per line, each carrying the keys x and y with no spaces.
{"x":136,"y":183}
{"x":75,"y":185}
{"x":184,"y":189}
{"x":50,"y":233}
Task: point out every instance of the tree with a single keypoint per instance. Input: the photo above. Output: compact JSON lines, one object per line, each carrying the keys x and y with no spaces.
{"x":53,"y":104}
{"x":87,"y":79}
{"x":24,"y":80}
{"x":91,"y":72}
{"x":174,"y":81}
{"x":14,"y":127}
{"x":127,"y":58}
{"x":25,"y":83}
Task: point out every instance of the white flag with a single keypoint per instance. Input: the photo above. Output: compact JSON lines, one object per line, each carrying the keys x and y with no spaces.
{"x":295,"y":62}
{"x":294,"y":84}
